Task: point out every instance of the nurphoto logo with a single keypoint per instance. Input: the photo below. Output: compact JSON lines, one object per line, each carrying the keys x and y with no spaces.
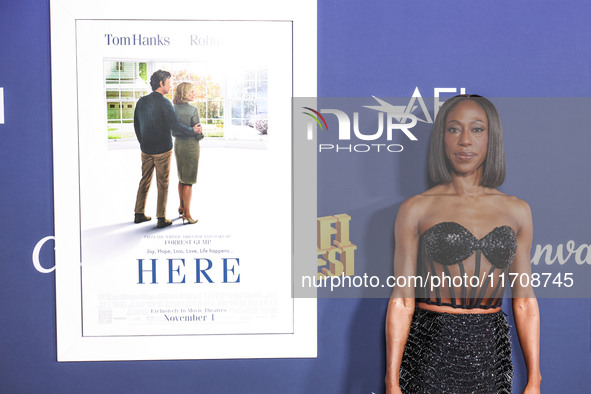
{"x":392,"y":121}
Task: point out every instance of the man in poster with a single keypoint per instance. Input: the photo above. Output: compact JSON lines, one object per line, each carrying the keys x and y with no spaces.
{"x":154,"y":117}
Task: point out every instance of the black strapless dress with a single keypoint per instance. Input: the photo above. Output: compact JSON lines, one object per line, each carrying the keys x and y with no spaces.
{"x":460,"y":352}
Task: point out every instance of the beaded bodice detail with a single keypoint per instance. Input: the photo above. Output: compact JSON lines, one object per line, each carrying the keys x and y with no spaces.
{"x":451,"y":243}
{"x":462,"y":271}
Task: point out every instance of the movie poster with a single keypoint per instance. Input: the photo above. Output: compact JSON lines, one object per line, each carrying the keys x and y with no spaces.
{"x":213,"y":282}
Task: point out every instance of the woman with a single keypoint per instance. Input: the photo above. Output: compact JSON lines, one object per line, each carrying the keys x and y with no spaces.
{"x":445,"y":332}
{"x":186,"y":149}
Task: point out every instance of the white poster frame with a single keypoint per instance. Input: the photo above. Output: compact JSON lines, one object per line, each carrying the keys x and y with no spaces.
{"x":72,"y":345}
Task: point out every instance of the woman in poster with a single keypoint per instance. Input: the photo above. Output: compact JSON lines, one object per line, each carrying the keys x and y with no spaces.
{"x":446,"y":332}
{"x":186,"y":149}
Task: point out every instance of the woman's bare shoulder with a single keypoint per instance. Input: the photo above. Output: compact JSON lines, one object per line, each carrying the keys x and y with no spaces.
{"x":515,"y":204}
{"x":414,"y":203}
{"x":517,"y":208}
{"x":413,"y":208}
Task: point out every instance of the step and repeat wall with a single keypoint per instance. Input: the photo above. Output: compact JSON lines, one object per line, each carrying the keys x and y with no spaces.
{"x":532,"y":59}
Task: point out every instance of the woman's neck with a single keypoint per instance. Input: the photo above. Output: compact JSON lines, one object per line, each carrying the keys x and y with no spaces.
{"x":467,"y":185}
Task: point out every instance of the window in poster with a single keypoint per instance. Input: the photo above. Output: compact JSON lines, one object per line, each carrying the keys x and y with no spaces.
{"x":184,"y":291}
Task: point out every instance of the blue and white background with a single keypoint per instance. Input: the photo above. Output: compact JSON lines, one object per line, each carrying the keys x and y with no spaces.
{"x":496,"y":48}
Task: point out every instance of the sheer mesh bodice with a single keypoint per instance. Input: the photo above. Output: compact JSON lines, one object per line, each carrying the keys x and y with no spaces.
{"x":462,"y":271}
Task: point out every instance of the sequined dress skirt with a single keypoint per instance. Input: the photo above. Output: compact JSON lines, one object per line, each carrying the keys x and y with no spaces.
{"x":457,"y":353}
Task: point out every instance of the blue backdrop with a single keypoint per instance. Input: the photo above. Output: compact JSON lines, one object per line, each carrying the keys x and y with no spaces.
{"x":384,"y":48}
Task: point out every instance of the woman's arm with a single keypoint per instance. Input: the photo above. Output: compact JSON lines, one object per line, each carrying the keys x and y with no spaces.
{"x":525,"y":304}
{"x":195,"y":116}
{"x":197,"y":123}
{"x":402,"y":303}
{"x":398,"y":319}
{"x":527,"y":319}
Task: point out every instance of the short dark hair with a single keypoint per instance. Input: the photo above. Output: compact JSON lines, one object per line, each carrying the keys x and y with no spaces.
{"x":494,"y":164}
{"x":157,"y":77}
